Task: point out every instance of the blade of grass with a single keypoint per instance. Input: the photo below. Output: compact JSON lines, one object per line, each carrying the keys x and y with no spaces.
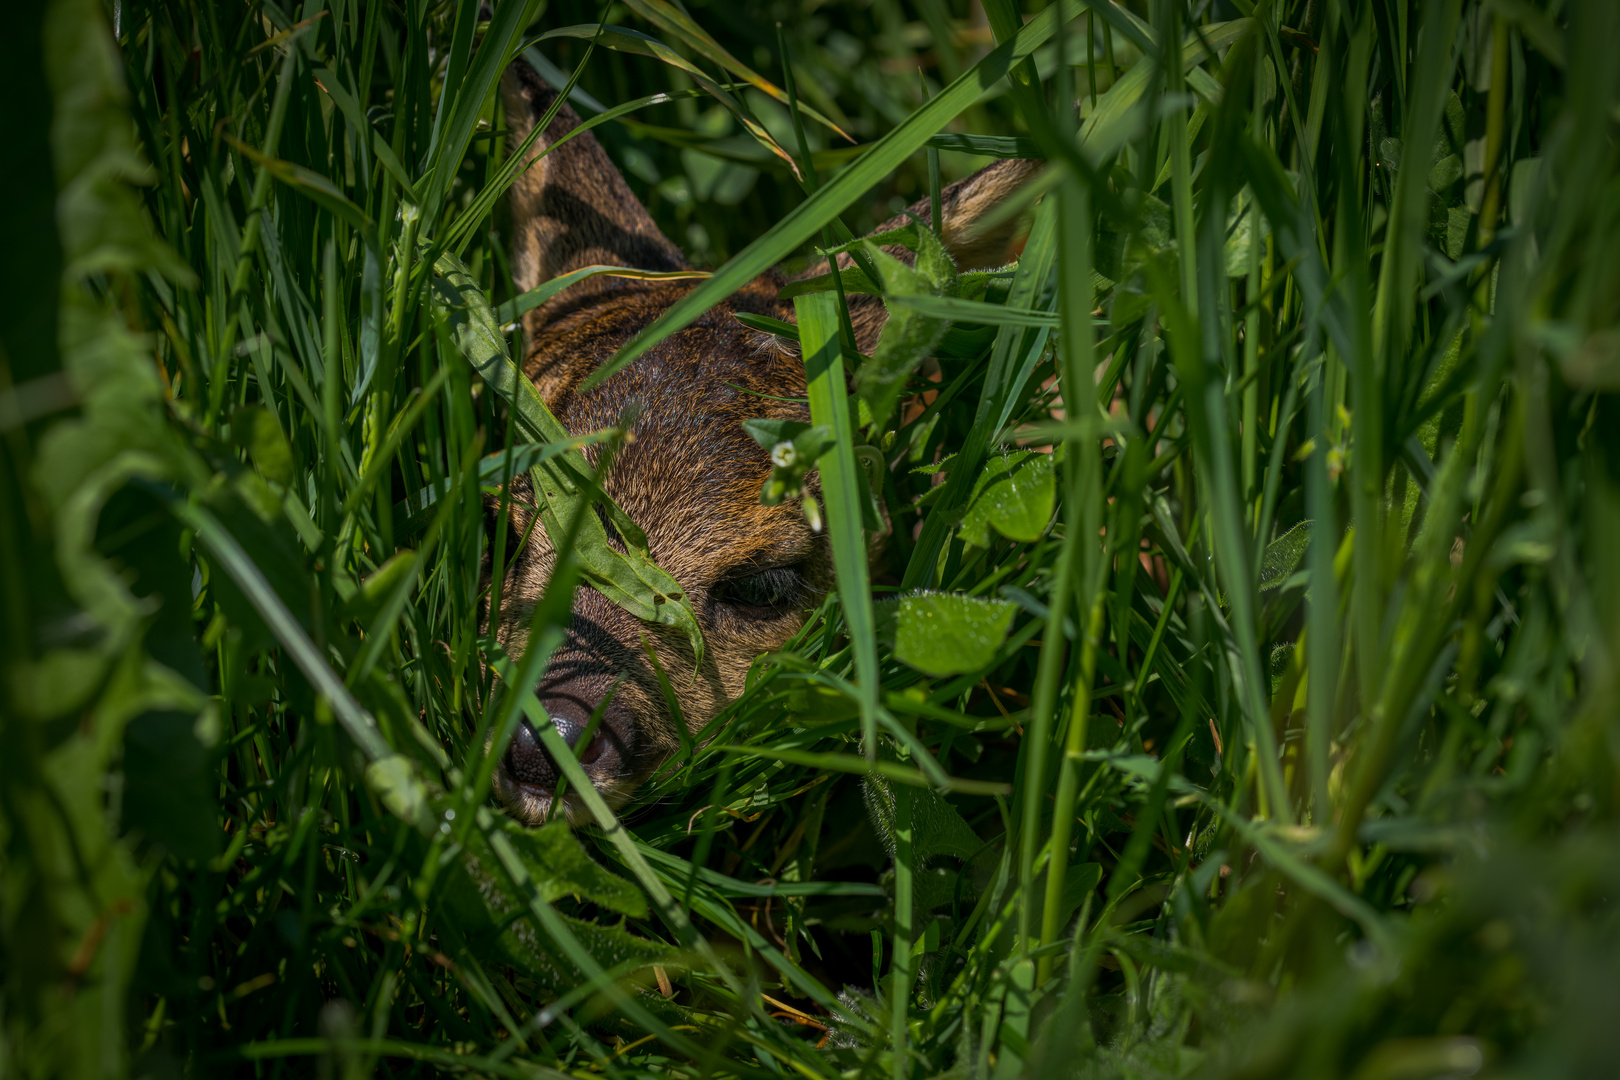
{"x":673,"y":20}
{"x":521,"y":305}
{"x":1205,"y":402}
{"x":621,"y":39}
{"x":1082,"y":467}
{"x":841,"y":481}
{"x":805,"y":221}
{"x":1029,"y":283}
{"x":389,"y":774}
{"x":444,"y":155}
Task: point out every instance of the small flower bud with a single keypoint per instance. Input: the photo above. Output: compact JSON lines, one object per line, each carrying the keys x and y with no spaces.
{"x":812,"y":514}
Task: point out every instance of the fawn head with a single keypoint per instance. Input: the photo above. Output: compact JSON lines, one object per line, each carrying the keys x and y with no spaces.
{"x":688,"y":474}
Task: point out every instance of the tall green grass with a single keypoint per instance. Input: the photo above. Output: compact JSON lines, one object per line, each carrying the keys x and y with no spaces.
{"x":1236,"y":695}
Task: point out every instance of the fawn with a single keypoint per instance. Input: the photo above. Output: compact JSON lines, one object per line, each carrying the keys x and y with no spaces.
{"x":689,"y":475}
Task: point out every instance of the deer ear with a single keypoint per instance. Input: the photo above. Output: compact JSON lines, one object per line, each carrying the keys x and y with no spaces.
{"x":974,"y":241}
{"x":571,"y":207}
{"x":965,"y":208}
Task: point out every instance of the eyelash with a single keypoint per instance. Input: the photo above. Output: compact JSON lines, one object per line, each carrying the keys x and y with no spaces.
{"x":778,"y":587}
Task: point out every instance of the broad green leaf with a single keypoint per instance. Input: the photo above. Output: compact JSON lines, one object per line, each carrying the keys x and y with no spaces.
{"x":561,"y":867}
{"x":1283,"y":555}
{"x":947,"y":633}
{"x":769,"y":433}
{"x":932,"y":261}
{"x":939,"y":828}
{"x":794,"y":447}
{"x":1015,"y":494}
{"x":938,"y":835}
{"x":57,"y":683}
{"x":1010,"y":356}
{"x":630,"y":578}
{"x":94,"y":638}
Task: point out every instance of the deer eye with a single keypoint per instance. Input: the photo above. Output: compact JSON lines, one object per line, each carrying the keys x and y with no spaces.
{"x":778,"y":587}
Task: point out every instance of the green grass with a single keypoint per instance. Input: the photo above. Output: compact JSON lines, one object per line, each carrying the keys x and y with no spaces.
{"x":1265,"y":727}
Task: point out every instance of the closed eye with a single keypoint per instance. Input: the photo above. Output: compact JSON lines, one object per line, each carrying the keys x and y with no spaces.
{"x":779,"y":588}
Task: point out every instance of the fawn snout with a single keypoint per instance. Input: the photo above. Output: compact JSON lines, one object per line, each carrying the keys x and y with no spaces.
{"x":689,"y":475}
{"x":580,"y":692}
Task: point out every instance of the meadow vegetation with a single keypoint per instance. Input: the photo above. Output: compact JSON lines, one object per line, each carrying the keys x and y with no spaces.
{"x":1237,"y":693}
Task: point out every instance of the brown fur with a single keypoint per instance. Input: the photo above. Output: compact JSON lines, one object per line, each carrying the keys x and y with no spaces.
{"x":690,"y":476}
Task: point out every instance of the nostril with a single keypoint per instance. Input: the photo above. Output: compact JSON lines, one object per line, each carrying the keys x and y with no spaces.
{"x":590,"y":755}
{"x":527,"y":760}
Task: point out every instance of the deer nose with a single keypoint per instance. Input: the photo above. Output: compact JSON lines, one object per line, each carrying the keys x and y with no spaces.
{"x":529,"y":762}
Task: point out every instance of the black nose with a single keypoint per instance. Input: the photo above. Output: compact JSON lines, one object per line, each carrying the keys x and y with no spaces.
{"x":529,"y":762}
